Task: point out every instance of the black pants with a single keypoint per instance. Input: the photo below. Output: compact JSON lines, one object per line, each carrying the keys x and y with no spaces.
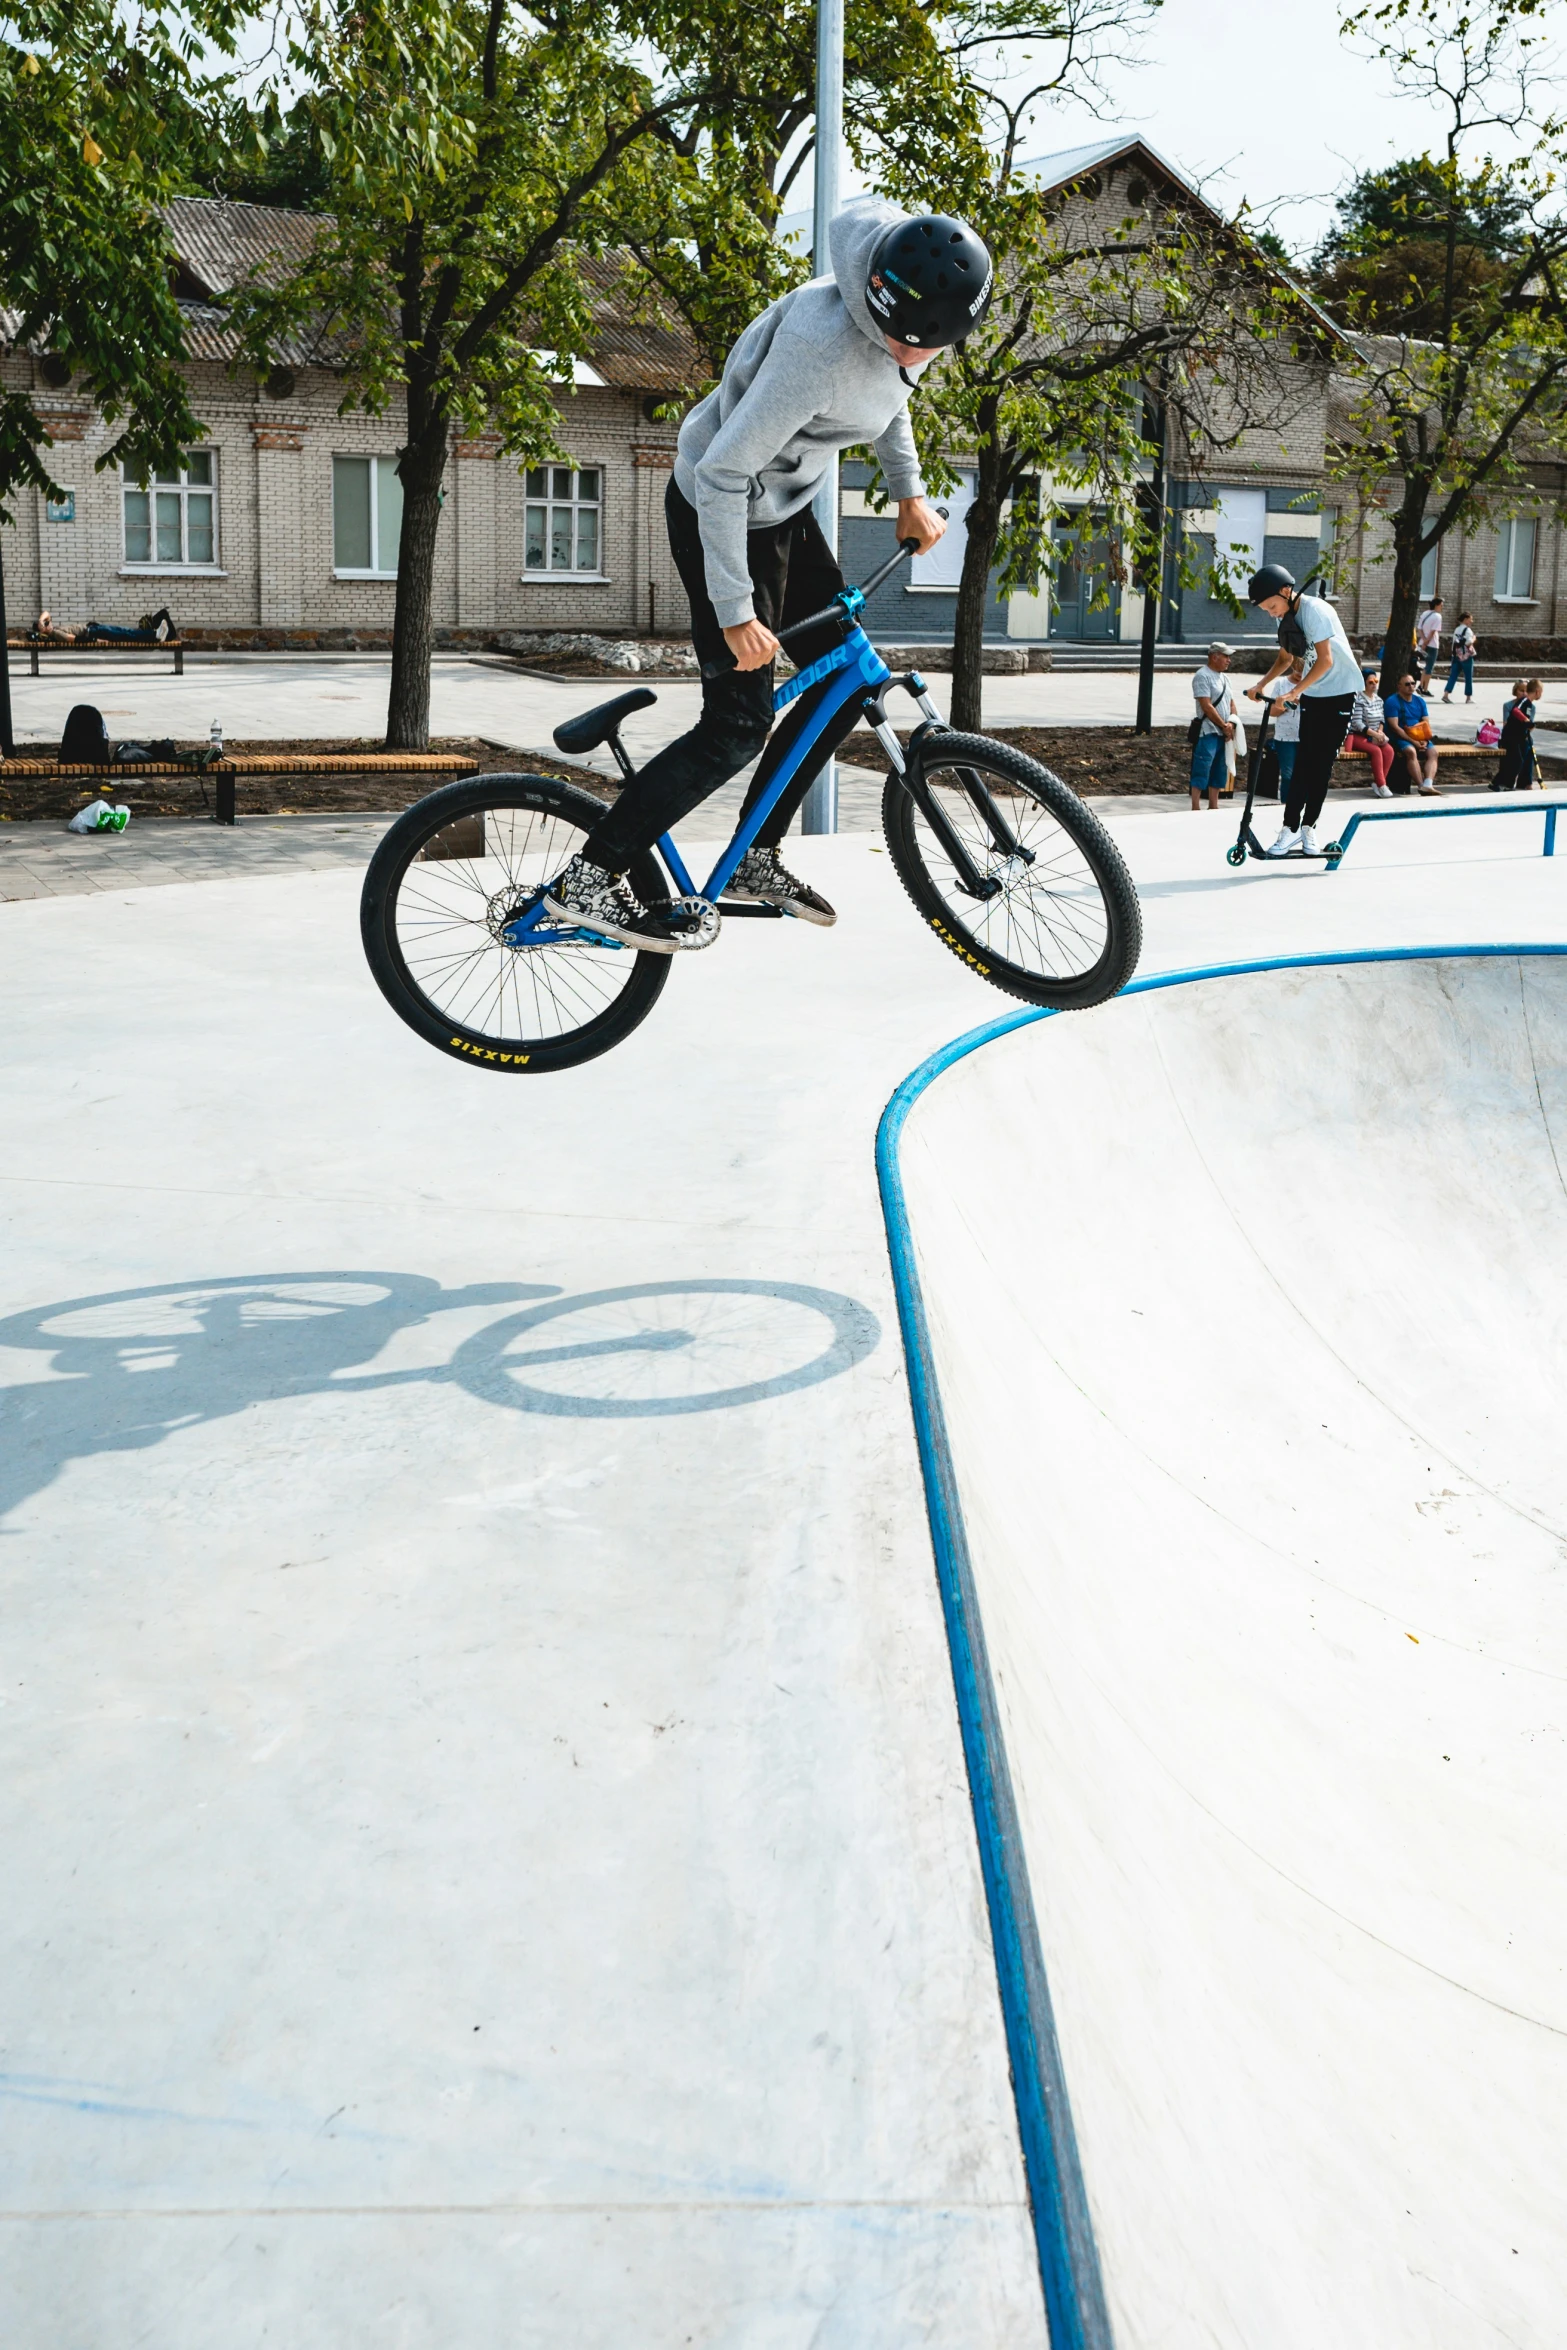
{"x":1324,"y":722}
{"x":793,"y":572}
{"x":1515,"y":770}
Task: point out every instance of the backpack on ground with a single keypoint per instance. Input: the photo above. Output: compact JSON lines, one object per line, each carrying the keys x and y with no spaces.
{"x":85,"y":741}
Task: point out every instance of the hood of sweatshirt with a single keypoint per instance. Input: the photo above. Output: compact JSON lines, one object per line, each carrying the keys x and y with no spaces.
{"x":852,"y":237}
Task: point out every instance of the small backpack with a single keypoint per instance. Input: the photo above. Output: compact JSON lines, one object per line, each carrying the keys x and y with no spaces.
{"x":85,"y":741}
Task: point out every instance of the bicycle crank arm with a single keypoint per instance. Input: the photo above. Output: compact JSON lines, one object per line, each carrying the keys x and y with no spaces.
{"x":747,"y":910}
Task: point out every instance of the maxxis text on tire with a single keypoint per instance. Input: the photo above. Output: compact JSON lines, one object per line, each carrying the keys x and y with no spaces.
{"x":584,"y":1008}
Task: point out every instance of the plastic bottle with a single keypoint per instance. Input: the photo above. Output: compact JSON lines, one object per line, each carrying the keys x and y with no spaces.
{"x":215,"y":738}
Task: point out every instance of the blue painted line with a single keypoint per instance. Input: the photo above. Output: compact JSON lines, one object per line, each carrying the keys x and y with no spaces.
{"x":1069,"y":2269}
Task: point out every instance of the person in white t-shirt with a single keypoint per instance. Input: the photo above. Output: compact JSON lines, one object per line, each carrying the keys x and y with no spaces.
{"x":1214,"y":722}
{"x":1428,"y":636}
{"x":1312,"y":632}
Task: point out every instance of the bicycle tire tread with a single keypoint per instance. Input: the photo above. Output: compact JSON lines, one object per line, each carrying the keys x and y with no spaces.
{"x":1117,"y":889}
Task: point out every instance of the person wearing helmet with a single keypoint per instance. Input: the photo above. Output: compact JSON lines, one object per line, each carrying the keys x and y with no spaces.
{"x":826,"y":368}
{"x":1309,"y":631}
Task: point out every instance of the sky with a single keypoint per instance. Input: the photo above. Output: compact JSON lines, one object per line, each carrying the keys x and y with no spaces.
{"x":1281,"y":112}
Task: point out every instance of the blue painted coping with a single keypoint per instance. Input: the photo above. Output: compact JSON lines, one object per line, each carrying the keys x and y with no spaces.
{"x":1063,"y":2231}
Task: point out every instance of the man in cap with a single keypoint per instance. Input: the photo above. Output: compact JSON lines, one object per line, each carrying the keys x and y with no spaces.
{"x":1213,"y":727}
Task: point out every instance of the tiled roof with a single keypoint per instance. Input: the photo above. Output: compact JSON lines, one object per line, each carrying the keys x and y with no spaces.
{"x":220,"y":243}
{"x":635,"y":348}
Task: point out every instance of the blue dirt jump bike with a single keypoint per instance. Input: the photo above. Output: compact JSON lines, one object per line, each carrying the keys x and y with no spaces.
{"x":1002,"y":859}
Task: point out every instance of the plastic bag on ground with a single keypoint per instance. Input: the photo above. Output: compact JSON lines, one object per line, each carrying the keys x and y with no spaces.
{"x":98,"y":816}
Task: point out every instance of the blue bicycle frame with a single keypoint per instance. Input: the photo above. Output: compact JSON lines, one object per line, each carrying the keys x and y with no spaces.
{"x":846,"y":674}
{"x":851,"y":672}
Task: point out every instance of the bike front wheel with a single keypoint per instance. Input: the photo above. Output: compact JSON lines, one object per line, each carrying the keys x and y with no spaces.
{"x":453,"y":872}
{"x":1055,"y":918}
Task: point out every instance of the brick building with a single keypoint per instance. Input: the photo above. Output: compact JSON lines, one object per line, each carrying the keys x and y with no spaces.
{"x":282,"y":527}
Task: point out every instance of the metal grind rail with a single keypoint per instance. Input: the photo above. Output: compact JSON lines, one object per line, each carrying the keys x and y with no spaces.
{"x":1337,"y":850}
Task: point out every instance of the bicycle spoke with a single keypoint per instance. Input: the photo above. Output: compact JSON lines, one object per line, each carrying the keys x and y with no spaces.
{"x":448,"y":916}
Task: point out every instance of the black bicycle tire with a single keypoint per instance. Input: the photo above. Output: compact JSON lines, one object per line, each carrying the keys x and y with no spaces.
{"x":396,"y":852}
{"x":1123,"y":913}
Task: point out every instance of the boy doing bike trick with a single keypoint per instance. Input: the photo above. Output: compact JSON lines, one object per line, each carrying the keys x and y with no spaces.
{"x":828,"y":367}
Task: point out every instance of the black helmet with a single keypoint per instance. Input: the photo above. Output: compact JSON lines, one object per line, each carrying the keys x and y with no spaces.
{"x":1271,"y":580}
{"x":929,"y":282}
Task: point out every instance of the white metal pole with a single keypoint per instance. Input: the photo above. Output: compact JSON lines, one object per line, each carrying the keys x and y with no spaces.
{"x":820,"y":813}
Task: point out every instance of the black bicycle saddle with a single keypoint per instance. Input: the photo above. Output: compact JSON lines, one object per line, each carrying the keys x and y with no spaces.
{"x":596,"y":726}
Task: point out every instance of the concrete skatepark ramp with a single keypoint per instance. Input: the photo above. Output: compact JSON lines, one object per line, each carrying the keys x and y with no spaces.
{"x":1243,"y":1309}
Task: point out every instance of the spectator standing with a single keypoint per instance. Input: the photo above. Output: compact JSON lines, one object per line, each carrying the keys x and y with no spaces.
{"x":1406,"y":718}
{"x":1428,"y":637}
{"x":1516,"y":769}
{"x":1285,"y":734}
{"x":1213,"y":727}
{"x":1367,"y":733}
{"x":1310,"y":629}
{"x":1462,"y":660}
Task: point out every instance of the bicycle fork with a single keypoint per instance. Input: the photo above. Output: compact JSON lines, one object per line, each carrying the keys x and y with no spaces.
{"x":911,"y":772}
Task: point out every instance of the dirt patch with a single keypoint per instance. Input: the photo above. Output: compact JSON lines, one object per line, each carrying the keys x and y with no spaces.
{"x":1114,"y":760}
{"x":38,"y":800}
{"x":1090,"y":758}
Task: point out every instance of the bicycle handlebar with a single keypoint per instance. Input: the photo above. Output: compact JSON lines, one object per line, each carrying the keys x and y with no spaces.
{"x":840,"y":605}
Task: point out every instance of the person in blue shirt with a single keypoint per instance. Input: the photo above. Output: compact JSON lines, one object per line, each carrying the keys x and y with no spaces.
{"x":1309,"y":631}
{"x":1406,"y":720}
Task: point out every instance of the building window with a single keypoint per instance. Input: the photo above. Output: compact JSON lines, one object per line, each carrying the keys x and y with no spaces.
{"x":942,"y":568}
{"x":565,"y":519}
{"x":1515,"y":563}
{"x":367,"y":517}
{"x":171,"y":522}
{"x":1428,"y":574}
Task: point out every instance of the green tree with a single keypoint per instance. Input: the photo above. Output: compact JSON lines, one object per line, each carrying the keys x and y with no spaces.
{"x":473,"y":155}
{"x":1462,"y":383}
{"x":1417,"y":236}
{"x":102,"y":121}
{"x":705,"y":233}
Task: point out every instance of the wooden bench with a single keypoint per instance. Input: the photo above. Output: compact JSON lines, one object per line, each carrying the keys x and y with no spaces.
{"x":226,"y":772}
{"x":1444,"y":751}
{"x":98,"y":644}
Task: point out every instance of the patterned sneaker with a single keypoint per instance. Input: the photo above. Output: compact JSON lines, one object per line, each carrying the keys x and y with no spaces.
{"x":593,"y":899}
{"x":759,"y":875}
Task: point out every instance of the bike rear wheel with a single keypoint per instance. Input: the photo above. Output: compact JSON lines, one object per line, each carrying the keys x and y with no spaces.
{"x":1062,"y":926}
{"x":452,"y":872}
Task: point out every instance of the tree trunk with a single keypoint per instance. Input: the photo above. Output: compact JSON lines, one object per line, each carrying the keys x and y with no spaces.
{"x":408,"y":707}
{"x":1408,"y":531}
{"x":968,"y":635}
{"x":979,"y":555}
{"x":1151,"y":498}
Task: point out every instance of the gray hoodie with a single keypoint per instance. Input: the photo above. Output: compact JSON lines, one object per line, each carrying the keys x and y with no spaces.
{"x":809,"y":377}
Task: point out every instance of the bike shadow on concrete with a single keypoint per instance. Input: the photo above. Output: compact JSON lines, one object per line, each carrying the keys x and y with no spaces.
{"x":122,"y":1370}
